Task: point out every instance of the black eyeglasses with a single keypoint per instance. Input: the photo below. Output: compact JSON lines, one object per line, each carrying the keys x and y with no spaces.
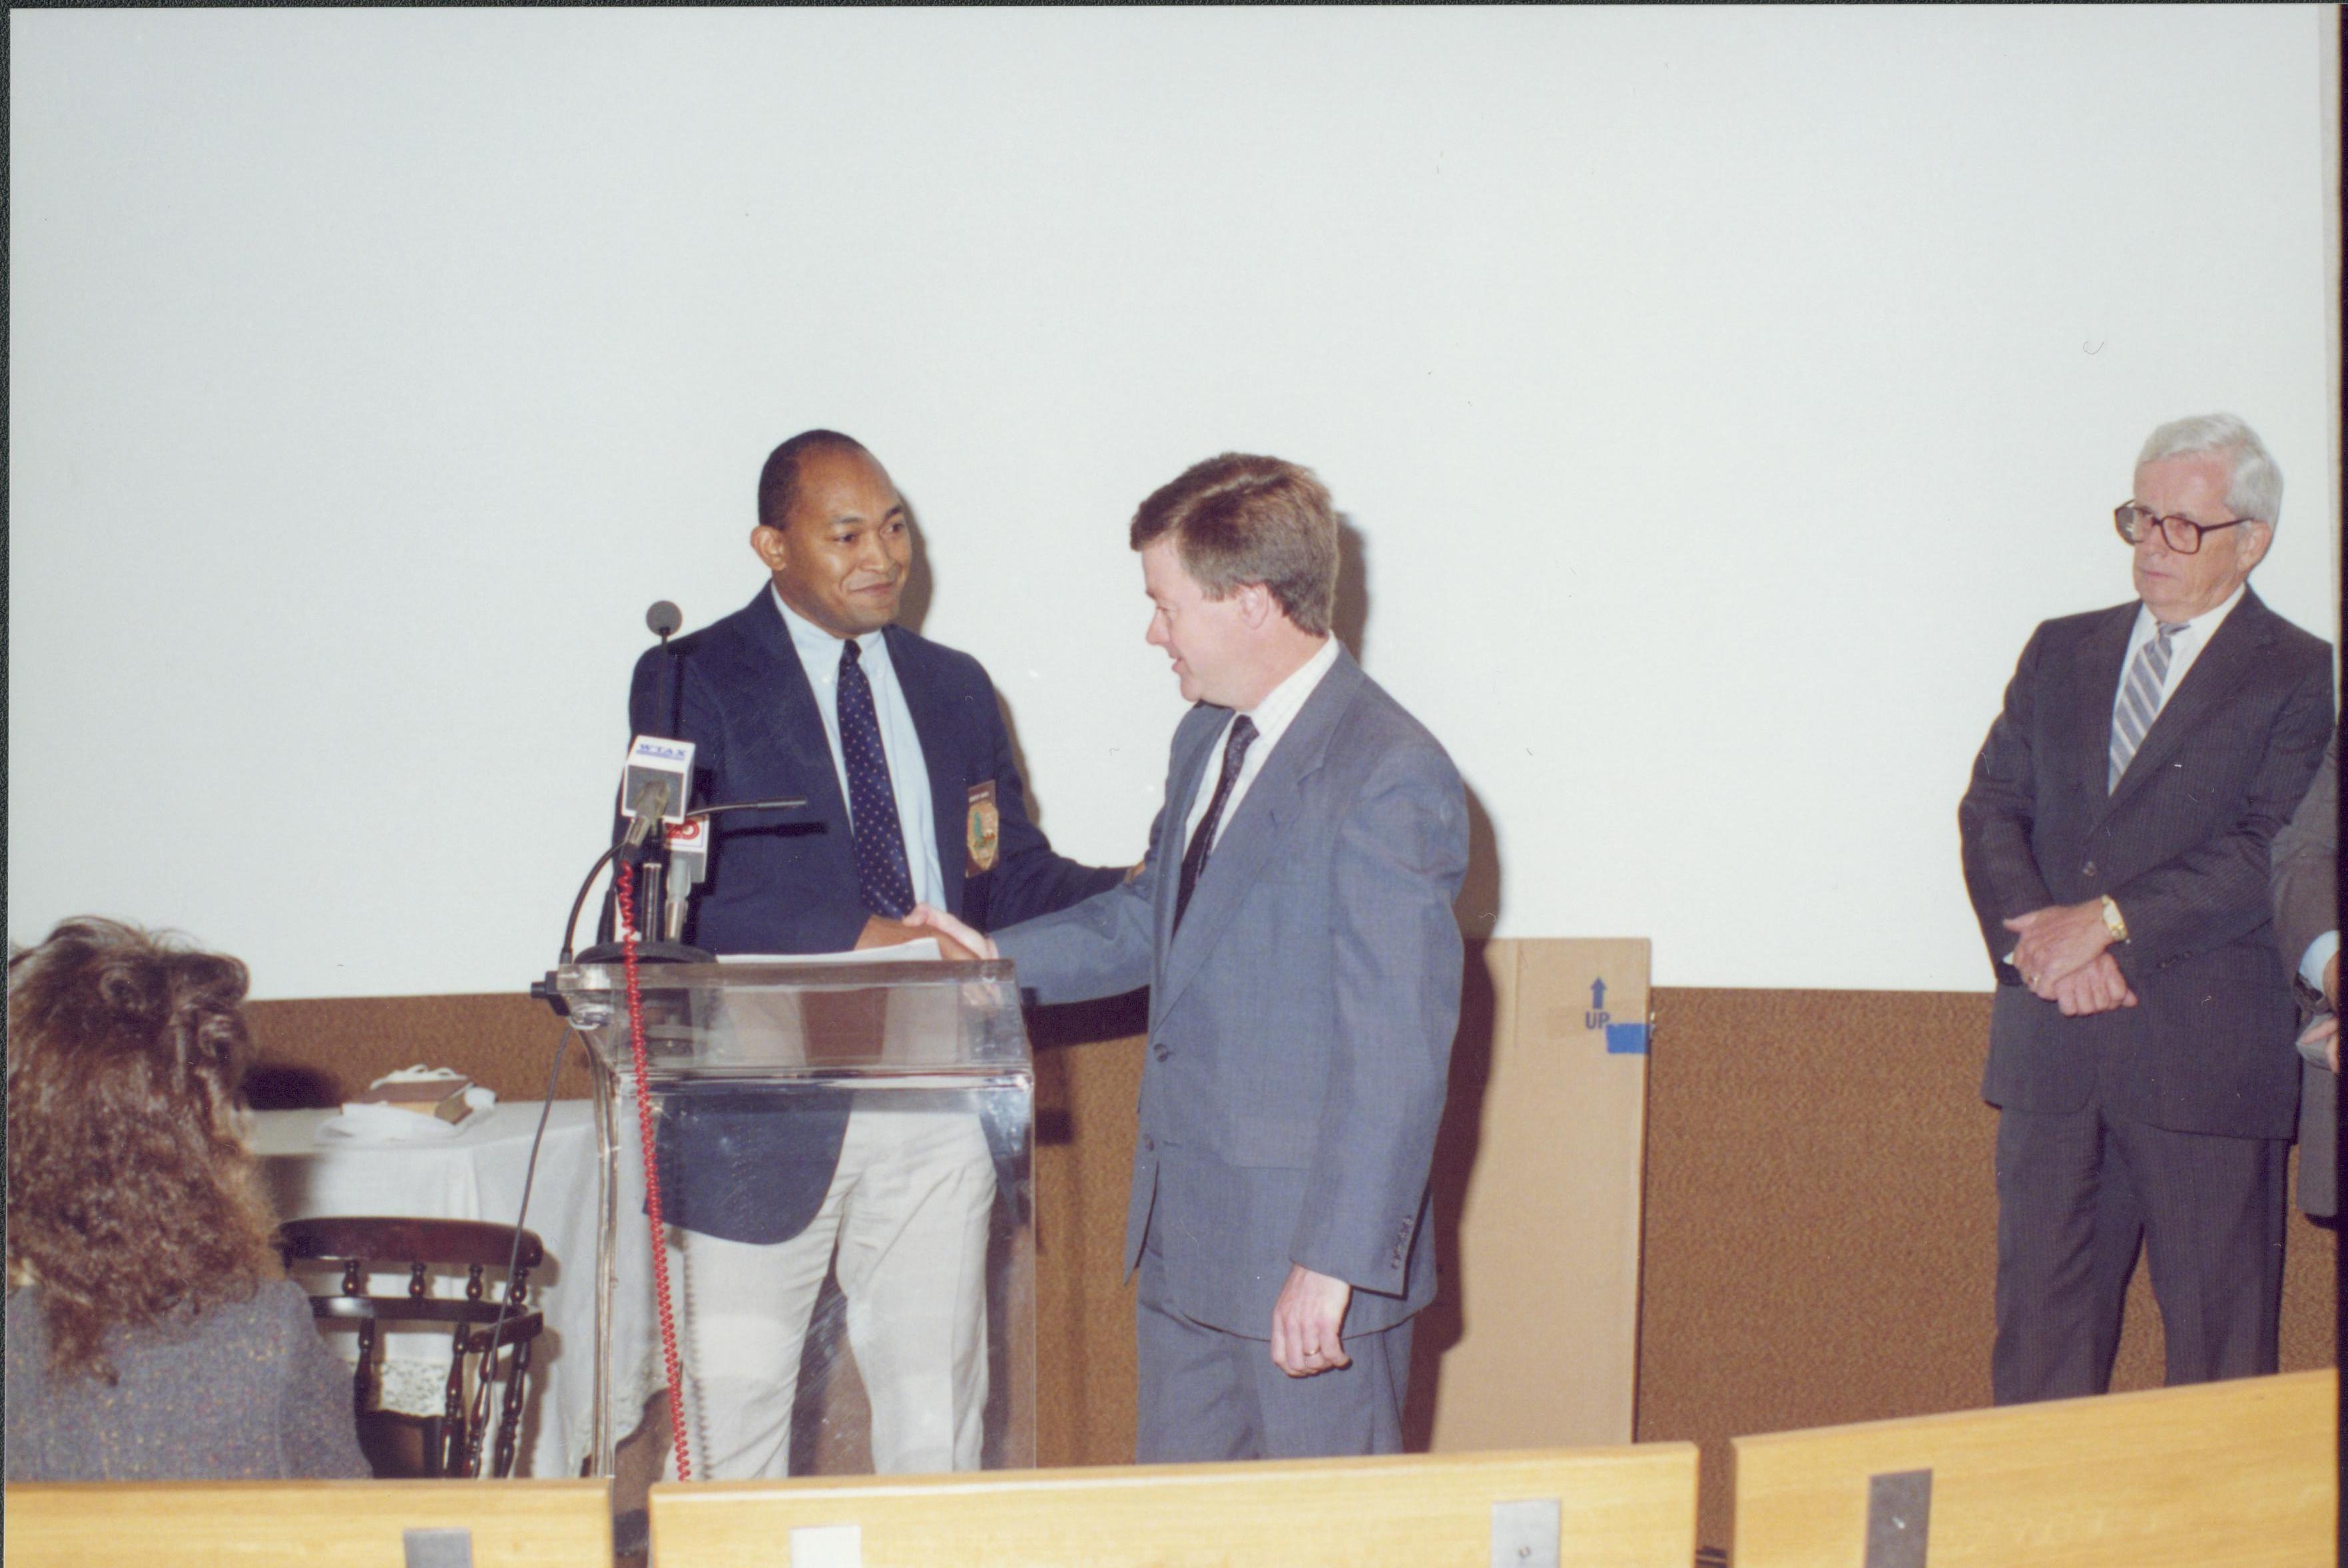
{"x":2184,"y":534}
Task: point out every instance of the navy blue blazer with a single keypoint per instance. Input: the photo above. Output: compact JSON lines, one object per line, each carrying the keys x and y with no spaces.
{"x":2180,"y":846}
{"x":747,"y":1166}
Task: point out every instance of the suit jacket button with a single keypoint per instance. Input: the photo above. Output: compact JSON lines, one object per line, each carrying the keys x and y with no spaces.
{"x":2089,"y":868}
{"x":1162,"y":1053}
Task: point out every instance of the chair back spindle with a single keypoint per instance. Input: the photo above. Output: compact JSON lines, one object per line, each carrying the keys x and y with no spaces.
{"x":489,"y":1338}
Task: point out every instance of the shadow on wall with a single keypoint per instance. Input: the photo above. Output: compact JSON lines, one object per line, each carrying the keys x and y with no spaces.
{"x":920,"y":587}
{"x":913,"y":610}
{"x":1457,"y":1143}
{"x":1459,"y":1138}
{"x":1479,"y":904}
{"x":1350,"y":618}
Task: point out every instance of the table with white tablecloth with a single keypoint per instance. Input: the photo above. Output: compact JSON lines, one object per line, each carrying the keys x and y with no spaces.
{"x":476,"y":1172}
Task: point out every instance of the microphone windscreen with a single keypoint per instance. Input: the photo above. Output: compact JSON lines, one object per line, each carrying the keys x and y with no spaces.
{"x":664,"y":617}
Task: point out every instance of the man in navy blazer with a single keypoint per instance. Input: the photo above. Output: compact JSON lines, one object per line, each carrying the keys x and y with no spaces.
{"x":761,"y":1185}
{"x":2116,"y":843}
{"x":1294,"y":924}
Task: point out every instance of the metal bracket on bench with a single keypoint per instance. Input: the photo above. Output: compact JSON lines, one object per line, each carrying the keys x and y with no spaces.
{"x":1899,"y":1518}
{"x":1525,"y":1534}
{"x":438,"y":1548}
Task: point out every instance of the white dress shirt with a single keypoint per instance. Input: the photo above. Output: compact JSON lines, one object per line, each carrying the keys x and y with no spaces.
{"x":2318,"y":953}
{"x":1272,"y":717}
{"x":909,"y":773}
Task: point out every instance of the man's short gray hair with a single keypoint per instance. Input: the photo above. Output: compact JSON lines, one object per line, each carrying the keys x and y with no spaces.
{"x":2255,"y":489}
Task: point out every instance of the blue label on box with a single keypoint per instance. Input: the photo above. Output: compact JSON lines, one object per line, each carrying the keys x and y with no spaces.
{"x":1626,"y":1039}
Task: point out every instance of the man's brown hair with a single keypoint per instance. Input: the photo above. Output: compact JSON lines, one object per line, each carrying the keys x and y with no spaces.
{"x":1237,"y":519}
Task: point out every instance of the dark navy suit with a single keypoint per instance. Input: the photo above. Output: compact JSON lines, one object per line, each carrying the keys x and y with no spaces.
{"x":739,"y":1166}
{"x":2182,"y":847}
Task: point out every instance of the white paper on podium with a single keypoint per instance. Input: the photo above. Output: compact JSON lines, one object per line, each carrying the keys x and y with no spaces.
{"x":924,"y":951}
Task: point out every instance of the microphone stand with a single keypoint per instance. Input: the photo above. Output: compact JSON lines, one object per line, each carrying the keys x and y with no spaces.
{"x":662,"y":619}
{"x":647,"y":952}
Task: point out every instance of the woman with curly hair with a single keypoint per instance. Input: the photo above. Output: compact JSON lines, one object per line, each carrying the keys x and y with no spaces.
{"x":151,"y":1333}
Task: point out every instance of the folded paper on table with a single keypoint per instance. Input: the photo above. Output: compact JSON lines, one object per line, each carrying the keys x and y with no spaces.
{"x":367,"y":1122}
{"x":422,"y":1090}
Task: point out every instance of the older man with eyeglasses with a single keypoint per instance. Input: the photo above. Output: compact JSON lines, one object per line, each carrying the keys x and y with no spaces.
{"x":2116,"y":843}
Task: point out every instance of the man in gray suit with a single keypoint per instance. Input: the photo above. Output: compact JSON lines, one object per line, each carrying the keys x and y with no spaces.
{"x":2116,"y":839}
{"x":2307,"y":926}
{"x":1294,"y":924}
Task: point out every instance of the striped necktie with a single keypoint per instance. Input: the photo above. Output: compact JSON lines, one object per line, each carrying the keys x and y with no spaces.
{"x":2141,"y":699}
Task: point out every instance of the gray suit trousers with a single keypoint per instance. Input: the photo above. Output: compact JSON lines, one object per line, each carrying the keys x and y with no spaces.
{"x":1210,"y":1396}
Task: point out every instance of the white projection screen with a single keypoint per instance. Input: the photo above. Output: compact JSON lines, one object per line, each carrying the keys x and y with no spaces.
{"x":1715,"y":398}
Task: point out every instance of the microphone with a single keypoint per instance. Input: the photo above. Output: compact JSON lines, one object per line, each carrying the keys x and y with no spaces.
{"x":692,"y":868}
{"x":664,"y":617}
{"x":655,"y":787}
{"x":653,"y":790}
{"x":650,"y":802}
{"x":688,"y":862}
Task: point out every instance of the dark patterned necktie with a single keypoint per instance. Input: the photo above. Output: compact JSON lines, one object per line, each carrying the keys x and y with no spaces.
{"x":2141,"y":699}
{"x":1202,"y":842}
{"x":881,"y":877}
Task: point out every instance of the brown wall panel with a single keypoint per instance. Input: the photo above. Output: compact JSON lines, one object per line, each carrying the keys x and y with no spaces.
{"x":1822,"y":1241}
{"x":1087,"y":1080}
{"x":324,"y":1051}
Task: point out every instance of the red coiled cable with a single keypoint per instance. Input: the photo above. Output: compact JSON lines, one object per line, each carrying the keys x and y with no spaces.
{"x":624,"y":882}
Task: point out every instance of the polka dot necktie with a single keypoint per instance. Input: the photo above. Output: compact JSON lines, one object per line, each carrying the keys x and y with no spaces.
{"x":881,"y":877}
{"x":1202,"y":842}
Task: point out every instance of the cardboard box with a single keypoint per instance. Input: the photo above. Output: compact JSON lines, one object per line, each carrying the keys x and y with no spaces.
{"x":1543,"y":1293}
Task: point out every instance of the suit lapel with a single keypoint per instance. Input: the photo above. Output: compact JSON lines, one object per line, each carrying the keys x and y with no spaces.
{"x":2093,"y":685}
{"x":1194,"y":748}
{"x":786,"y":723}
{"x":2231,"y":654}
{"x":933,"y":721}
{"x":1254,"y":831}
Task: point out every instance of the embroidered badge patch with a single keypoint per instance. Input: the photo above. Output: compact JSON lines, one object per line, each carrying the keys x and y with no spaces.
{"x":982,"y":831}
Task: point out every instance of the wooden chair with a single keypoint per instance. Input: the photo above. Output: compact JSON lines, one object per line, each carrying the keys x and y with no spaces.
{"x":2218,"y":1475}
{"x":1624,"y":1508}
{"x":311,"y":1524}
{"x":452,"y":1441}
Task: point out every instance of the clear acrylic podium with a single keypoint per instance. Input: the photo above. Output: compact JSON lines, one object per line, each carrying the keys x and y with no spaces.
{"x":892,"y":1102}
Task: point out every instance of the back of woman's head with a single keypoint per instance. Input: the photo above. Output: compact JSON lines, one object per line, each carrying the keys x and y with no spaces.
{"x":131,"y":1195}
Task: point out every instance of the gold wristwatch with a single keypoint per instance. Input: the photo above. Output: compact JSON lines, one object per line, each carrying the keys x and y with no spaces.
{"x":2112,"y":921}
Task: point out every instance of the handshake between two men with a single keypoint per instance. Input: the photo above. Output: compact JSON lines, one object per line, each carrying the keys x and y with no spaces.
{"x":1308,"y":1316}
{"x":1291,"y":920}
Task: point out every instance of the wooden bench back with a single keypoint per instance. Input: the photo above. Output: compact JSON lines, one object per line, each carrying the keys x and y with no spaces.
{"x":2241,"y":1474}
{"x":304,"y":1523}
{"x":1624,"y":1508}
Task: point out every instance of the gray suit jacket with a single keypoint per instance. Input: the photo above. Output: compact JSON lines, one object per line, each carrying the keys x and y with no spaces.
{"x":1300,"y":1020}
{"x":2307,"y":904}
